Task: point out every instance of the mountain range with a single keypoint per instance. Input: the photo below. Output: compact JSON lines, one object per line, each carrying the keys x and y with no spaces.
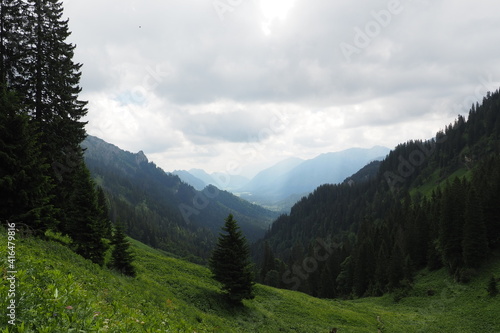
{"x":284,"y":183}
{"x":199,"y":179}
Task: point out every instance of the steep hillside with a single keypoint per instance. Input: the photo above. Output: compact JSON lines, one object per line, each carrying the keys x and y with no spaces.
{"x":58,"y":291}
{"x":161,"y":210}
{"x":432,"y":204}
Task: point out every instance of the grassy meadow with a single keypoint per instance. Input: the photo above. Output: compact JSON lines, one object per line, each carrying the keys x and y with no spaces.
{"x":58,"y":291}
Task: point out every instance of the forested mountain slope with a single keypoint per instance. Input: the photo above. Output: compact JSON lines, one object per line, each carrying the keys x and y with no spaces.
{"x":159,"y":209}
{"x":432,"y":204}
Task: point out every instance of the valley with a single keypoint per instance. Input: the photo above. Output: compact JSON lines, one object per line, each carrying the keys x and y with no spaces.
{"x":110,"y":221}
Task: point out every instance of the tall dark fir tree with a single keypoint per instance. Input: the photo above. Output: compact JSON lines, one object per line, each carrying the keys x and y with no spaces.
{"x":24,"y":184}
{"x":51,"y":87}
{"x":13,"y":42}
{"x":85,"y":226}
{"x":475,"y":238}
{"x":121,"y":258}
{"x":230,"y":263}
{"x":37,"y":63}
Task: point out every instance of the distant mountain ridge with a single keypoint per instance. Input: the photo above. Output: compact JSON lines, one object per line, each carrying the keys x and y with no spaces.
{"x":293,"y":178}
{"x":281,"y":185}
{"x":190,"y":179}
{"x":199,"y":179}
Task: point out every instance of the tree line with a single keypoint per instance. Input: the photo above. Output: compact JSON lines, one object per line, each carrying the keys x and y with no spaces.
{"x":43,"y":177}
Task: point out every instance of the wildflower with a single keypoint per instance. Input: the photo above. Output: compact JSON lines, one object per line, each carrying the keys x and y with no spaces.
{"x":69,"y":307}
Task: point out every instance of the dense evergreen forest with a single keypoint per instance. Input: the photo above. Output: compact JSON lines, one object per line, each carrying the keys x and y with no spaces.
{"x":44,"y":182}
{"x":430,"y":204}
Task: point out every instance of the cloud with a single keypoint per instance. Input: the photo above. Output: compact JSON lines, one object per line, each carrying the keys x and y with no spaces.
{"x":173,"y":79}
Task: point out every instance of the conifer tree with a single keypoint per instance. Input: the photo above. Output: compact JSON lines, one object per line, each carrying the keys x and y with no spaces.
{"x":269,"y":262}
{"x":24,"y":185}
{"x":121,"y":258}
{"x":327,"y":283}
{"x":49,"y":82}
{"x":51,"y":79}
{"x":83,"y":224}
{"x":492,"y":287}
{"x":395,"y":271}
{"x":382,"y":263}
{"x":364,"y":267}
{"x":451,"y":225}
{"x":103,"y":208}
{"x":13,"y":50}
{"x":230,"y":263}
{"x":475,"y":240}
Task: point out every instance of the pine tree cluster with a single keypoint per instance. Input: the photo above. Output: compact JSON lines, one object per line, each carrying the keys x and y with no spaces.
{"x":43,"y":178}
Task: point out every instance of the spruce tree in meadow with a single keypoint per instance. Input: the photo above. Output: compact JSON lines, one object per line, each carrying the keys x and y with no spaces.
{"x":230,"y":263}
{"x":121,"y":258}
{"x":84,"y":225}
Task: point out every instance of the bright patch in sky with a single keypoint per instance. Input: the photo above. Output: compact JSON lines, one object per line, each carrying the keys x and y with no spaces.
{"x":272,"y":10}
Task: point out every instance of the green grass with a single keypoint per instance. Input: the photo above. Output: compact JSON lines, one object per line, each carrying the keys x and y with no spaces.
{"x":58,"y":291}
{"x":434,"y":181}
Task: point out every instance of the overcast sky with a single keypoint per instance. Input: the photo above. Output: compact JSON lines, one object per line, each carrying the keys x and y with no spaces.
{"x":226,"y":84}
